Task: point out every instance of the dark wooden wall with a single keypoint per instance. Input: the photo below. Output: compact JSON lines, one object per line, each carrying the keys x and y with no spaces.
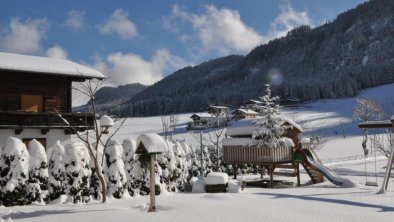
{"x":56,"y":90}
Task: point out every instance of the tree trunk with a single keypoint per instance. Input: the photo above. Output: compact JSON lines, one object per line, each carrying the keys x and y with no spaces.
{"x":103,"y":186}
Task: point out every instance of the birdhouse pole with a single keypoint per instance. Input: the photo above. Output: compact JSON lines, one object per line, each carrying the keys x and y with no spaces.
{"x":152,"y":190}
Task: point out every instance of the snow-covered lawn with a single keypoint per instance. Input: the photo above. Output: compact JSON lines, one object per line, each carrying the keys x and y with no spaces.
{"x":320,"y":202}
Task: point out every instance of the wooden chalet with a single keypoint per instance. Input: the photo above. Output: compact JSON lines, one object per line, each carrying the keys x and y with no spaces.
{"x":33,"y":91}
{"x":244,"y":114}
{"x":218,"y":110}
{"x":252,"y":103}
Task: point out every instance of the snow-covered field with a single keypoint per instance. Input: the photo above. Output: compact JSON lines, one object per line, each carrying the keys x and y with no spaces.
{"x":321,"y":202}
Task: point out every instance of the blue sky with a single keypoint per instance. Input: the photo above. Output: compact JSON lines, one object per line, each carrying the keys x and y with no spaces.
{"x":144,"y":41}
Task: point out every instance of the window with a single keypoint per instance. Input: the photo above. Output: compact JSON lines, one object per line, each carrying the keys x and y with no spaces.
{"x":43,"y":141}
{"x":31,"y":103}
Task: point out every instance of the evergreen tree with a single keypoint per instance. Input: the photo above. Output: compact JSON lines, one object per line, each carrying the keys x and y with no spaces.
{"x":14,"y":173}
{"x":56,"y":170}
{"x":38,"y":173}
{"x":77,"y":180}
{"x":269,"y":131}
{"x":115,"y":169}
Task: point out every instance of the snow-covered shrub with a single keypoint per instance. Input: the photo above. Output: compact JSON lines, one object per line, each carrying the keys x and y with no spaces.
{"x":95,"y":190}
{"x":56,"y":170}
{"x":134,"y":172}
{"x":38,"y":173}
{"x":14,"y":173}
{"x":181,"y":171}
{"x":195,"y":165}
{"x":77,"y":173}
{"x":166,"y":162}
{"x":115,"y":169}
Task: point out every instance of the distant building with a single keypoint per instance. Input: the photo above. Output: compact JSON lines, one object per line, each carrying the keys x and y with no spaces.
{"x":289,"y":101}
{"x":33,"y":90}
{"x":206,"y":120}
{"x":252,"y":103}
{"x":244,"y":114}
{"x":218,"y":110}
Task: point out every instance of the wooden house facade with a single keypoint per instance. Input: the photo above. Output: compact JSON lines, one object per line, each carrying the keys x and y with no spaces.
{"x":33,"y":91}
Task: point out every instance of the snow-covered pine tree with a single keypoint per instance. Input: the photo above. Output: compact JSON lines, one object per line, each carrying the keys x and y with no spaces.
{"x":181,"y":170}
{"x":38,"y":173}
{"x":56,"y":170}
{"x":95,"y":190}
{"x":130,"y":161}
{"x":14,"y":173}
{"x":168,"y":165}
{"x":135,"y":173}
{"x":115,"y":169}
{"x":270,"y":126}
{"x":77,"y":173}
{"x":194,"y":168}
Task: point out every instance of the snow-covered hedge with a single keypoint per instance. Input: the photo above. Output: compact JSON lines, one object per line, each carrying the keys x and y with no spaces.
{"x":66,"y":174}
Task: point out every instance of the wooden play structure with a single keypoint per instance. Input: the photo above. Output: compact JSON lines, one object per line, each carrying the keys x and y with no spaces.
{"x":242,"y":149}
{"x":390,"y":162}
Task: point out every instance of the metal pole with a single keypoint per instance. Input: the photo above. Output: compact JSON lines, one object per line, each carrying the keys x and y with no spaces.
{"x":202,"y":157}
{"x":152,"y":205}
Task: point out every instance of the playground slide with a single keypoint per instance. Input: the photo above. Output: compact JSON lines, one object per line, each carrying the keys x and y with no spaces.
{"x":331,"y":176}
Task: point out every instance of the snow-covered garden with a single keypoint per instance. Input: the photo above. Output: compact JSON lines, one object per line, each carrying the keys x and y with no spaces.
{"x":59,"y":184}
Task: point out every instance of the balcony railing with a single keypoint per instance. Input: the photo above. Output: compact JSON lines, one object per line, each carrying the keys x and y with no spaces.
{"x":12,"y":119}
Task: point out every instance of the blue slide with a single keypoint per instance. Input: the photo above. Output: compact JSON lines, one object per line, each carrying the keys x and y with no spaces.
{"x":326,"y":172}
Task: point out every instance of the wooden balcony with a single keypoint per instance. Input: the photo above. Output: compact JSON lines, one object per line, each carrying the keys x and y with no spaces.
{"x":21,"y":120}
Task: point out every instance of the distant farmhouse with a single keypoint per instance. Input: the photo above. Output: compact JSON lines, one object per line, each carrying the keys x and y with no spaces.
{"x":33,"y":90}
{"x":217,"y":116}
{"x":244,"y":114}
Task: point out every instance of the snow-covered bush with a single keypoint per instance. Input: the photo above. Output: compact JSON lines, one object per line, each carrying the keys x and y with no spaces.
{"x":77,"y":173}
{"x":181,"y":171}
{"x":56,"y":170}
{"x":115,"y":169}
{"x":14,"y":173}
{"x":95,"y":190}
{"x":38,"y":173}
{"x":134,"y":172}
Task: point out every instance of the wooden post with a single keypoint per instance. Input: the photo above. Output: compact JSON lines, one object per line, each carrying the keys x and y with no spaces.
{"x":152,"y":191}
{"x":272,"y":176}
{"x":261,"y":171}
{"x":235,"y":171}
{"x":298,"y":174}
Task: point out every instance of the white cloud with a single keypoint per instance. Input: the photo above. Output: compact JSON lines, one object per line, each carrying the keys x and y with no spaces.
{"x":222,"y":30}
{"x":75,"y":19}
{"x":56,"y":52}
{"x":119,"y":24}
{"x":24,"y":36}
{"x":131,"y":68}
{"x":288,"y":19}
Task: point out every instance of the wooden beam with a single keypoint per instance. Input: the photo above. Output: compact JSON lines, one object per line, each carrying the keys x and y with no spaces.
{"x":375,"y":124}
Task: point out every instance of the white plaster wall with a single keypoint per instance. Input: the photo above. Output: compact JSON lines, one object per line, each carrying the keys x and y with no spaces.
{"x":52,"y":136}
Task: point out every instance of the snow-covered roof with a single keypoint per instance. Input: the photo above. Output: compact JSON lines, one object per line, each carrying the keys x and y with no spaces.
{"x":106,"y":121}
{"x":392,"y":118}
{"x":45,"y":65}
{"x":219,"y":107}
{"x":202,"y":115}
{"x":246,"y":127}
{"x":152,"y":142}
{"x":253,"y":101}
{"x":237,"y":141}
{"x":305,"y":140}
{"x":247,"y":111}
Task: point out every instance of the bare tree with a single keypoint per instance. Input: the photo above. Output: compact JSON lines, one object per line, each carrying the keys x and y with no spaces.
{"x":169,"y":125}
{"x":94,"y":139}
{"x":367,"y":109}
{"x":213,"y":140}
